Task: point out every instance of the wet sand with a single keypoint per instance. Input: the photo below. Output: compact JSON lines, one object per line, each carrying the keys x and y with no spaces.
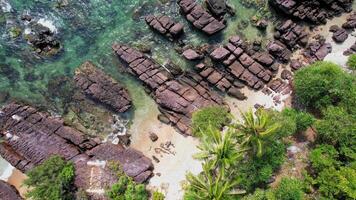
{"x":16,"y":179}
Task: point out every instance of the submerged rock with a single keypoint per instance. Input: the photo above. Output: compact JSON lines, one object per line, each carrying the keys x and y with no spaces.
{"x":8,"y":192}
{"x":102,"y":88}
{"x":43,"y":39}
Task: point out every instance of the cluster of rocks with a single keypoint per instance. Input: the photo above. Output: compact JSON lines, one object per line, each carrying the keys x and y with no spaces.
{"x":199,"y":17}
{"x":177,"y":97}
{"x":100,"y":87}
{"x":277,"y":88}
{"x":165,"y":25}
{"x":8,"y":192}
{"x":279,"y":51}
{"x":291,"y":34}
{"x":30,"y":137}
{"x":350,"y":23}
{"x":339,"y":34}
{"x":288,"y":36}
{"x":351,"y":50}
{"x":43,"y":39}
{"x":253,"y":70}
{"x":317,"y":49}
{"x":315,"y":11}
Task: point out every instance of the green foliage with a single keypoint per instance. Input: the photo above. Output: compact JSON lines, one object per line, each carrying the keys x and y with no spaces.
{"x":338,"y":184}
{"x":255,"y":129}
{"x":52,"y":180}
{"x":127,"y":189}
{"x":323,"y":84}
{"x":338,"y":128}
{"x":257,"y":171}
{"x":218,"y":149}
{"x":351,"y":62}
{"x":291,"y":121}
{"x":211,"y":184}
{"x":324,"y":156}
{"x":260,"y":194}
{"x":157,"y":196}
{"x":289,"y":189}
{"x":216,"y":117}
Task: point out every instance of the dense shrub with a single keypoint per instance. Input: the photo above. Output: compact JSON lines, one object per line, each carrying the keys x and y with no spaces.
{"x":351,"y":62}
{"x":289,"y":189}
{"x":323,"y":84}
{"x":127,"y":189}
{"x":52,"y":180}
{"x":157,"y":196}
{"x":322,"y":157}
{"x":337,"y":184}
{"x":256,"y":172}
{"x":260,"y":194}
{"x":216,"y":117}
{"x":337,"y":128}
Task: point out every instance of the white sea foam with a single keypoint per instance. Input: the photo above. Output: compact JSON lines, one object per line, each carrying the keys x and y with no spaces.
{"x":5,"y":6}
{"x":48,"y":23}
{"x":5,"y":170}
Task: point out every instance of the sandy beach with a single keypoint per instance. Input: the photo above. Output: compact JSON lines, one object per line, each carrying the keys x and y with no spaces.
{"x":174,"y":163}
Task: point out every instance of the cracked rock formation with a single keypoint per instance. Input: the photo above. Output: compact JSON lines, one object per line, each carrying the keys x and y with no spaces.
{"x":100,"y":87}
{"x":8,"y":192}
{"x":238,"y":64}
{"x":30,"y":137}
{"x":315,"y":11}
{"x":177,"y":97}
{"x":199,"y":17}
{"x":165,"y":25}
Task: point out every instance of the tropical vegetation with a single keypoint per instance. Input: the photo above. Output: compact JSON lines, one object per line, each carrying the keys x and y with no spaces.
{"x":240,"y":157}
{"x":51,"y":180}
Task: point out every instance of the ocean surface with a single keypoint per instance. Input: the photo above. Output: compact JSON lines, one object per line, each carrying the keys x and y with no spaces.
{"x":86,"y":30}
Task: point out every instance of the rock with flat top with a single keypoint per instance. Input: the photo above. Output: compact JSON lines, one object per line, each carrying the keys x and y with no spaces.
{"x":165,"y":25}
{"x":102,"y":88}
{"x":199,"y":17}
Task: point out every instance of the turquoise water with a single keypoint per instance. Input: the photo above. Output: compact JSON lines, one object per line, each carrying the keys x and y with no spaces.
{"x":87,"y":28}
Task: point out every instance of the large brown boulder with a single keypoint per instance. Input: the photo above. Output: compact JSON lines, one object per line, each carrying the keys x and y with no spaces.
{"x":102,"y":88}
{"x":8,"y":192}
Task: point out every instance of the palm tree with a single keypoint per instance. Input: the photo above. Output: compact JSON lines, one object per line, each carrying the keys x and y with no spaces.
{"x":211,"y":185}
{"x":254,"y":129}
{"x":218,"y":149}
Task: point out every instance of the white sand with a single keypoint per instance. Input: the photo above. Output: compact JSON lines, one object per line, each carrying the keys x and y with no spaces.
{"x":172,"y":168}
{"x":336,"y":55}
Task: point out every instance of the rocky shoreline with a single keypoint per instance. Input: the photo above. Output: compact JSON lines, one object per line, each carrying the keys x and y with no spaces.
{"x":177,"y":97}
{"x":31,"y":136}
